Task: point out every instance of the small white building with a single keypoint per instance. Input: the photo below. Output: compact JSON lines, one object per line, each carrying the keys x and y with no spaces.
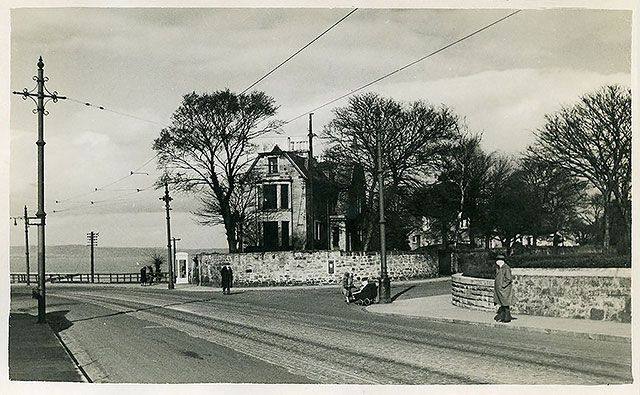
{"x":182,"y":268}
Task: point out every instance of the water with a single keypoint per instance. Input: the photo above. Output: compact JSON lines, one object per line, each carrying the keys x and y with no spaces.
{"x":77,"y":258}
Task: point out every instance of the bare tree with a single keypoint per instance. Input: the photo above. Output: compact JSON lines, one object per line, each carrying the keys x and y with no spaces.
{"x":556,"y":196}
{"x":411,"y":139}
{"x":592,"y":140}
{"x":467,"y":167}
{"x":207,"y":148}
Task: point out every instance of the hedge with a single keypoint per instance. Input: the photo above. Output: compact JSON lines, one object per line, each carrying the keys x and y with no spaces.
{"x":482,"y":264}
{"x":570,"y":261}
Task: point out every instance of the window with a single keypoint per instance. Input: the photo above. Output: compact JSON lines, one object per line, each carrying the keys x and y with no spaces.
{"x":273,"y":164}
{"x":269,"y":199}
{"x":284,"y":196}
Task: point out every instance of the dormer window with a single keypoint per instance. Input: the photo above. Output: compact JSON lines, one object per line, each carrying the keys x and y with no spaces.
{"x":273,"y":164}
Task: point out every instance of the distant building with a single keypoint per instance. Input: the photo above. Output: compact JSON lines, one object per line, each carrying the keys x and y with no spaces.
{"x":298,"y":206}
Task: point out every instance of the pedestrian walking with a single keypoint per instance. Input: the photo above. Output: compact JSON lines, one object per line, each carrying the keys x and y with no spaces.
{"x":503,"y":290}
{"x":347,"y":286}
{"x":150,"y":274}
{"x":227,"y":279}
{"x":143,"y":275}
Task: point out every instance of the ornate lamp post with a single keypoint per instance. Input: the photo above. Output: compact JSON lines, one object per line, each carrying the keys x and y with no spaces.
{"x":40,"y":96}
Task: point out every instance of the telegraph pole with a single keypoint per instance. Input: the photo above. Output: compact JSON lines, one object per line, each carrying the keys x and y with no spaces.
{"x":40,"y":214}
{"x":175,"y":269}
{"x":385,"y":283}
{"x":92,"y":239}
{"x":310,"y":190}
{"x":167,"y":199}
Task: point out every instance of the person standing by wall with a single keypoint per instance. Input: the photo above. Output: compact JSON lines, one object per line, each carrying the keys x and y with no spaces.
{"x":503,"y":290}
{"x":226,"y":275}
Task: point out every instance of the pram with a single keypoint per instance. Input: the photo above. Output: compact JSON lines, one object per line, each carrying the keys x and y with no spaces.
{"x":366,"y":295}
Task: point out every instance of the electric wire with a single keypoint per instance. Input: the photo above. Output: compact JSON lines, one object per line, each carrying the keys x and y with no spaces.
{"x":117,"y":199}
{"x":298,"y":51}
{"x":103,"y":187}
{"x":265,"y":76}
{"x":407,"y":65}
{"x":115,"y":112}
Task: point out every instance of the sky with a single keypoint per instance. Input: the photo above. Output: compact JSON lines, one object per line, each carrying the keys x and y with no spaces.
{"x":140,"y":62}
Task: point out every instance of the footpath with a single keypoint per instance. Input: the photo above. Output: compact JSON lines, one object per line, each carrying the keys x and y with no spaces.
{"x":440,"y":308}
{"x":35,"y":351}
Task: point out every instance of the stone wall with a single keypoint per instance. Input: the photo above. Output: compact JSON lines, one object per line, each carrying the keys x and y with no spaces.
{"x":472,"y":293}
{"x":313,"y":268}
{"x":597,"y":294}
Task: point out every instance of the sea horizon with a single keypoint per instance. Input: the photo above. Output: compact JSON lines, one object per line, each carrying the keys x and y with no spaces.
{"x":76,"y":258}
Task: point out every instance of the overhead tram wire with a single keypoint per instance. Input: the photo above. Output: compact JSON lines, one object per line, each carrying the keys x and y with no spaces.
{"x":96,"y":189}
{"x":102,"y":108}
{"x":406,"y":66}
{"x":298,"y":51}
{"x":115,"y":112}
{"x":102,"y":203}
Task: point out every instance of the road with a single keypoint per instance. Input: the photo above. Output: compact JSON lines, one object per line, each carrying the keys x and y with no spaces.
{"x":302,"y":335}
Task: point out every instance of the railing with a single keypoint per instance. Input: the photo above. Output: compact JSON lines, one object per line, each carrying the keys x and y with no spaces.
{"x":103,"y":278}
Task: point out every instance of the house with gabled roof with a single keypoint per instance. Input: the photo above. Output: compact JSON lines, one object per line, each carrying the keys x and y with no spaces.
{"x":297,"y":206}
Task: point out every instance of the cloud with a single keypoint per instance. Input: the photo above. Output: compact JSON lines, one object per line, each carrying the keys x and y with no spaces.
{"x":91,"y":140}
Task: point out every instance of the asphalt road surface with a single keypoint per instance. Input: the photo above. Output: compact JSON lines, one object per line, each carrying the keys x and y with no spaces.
{"x":301,"y":335}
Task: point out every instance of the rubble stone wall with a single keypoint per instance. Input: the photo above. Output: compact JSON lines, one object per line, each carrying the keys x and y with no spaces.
{"x":472,"y":293}
{"x":596,"y":294}
{"x":313,"y":267}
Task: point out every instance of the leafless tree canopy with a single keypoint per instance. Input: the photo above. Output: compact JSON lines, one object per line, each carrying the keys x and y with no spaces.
{"x":207,"y":149}
{"x":592,"y":140}
{"x":412,"y":139}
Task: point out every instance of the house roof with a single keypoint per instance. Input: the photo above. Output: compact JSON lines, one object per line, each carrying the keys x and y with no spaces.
{"x":297,"y":161}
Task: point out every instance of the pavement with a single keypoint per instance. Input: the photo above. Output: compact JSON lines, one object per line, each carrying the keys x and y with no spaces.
{"x":37,"y":352}
{"x":440,"y":308}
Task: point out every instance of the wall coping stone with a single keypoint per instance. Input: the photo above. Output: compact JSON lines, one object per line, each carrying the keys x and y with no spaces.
{"x":570,"y":272}
{"x":461,"y":278}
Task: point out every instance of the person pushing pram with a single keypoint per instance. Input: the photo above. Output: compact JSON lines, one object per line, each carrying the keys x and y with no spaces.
{"x":366,"y":294}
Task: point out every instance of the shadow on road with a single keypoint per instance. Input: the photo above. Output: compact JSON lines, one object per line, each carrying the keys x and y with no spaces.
{"x":58,"y":320}
{"x":397,"y":295}
{"x":143,"y":309}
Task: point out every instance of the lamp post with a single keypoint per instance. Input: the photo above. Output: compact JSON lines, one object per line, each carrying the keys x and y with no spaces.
{"x":40,"y":214}
{"x":385,"y":283}
{"x":26,"y":219}
{"x":167,"y":199}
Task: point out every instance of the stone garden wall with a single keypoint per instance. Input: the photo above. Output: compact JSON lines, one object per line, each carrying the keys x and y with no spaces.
{"x":313,"y":267}
{"x":472,"y":293}
{"x":597,"y":294}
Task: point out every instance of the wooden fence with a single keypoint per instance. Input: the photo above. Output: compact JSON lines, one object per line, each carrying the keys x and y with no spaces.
{"x":103,"y":278}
